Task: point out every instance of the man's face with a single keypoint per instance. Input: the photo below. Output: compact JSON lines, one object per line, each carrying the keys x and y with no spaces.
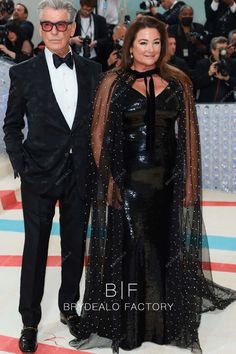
{"x":85,"y":11}
{"x":171,"y":46}
{"x":19,"y":13}
{"x":57,"y":42}
{"x":166,"y":4}
{"x":216,"y":52}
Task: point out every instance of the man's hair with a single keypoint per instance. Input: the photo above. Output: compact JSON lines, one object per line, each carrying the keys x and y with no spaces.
{"x":217,"y":40}
{"x":185,"y":7}
{"x":25,"y":8}
{"x":58,"y":5}
{"x":90,"y":3}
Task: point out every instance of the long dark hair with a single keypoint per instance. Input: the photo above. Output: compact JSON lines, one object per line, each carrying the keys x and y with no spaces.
{"x":167,"y":71}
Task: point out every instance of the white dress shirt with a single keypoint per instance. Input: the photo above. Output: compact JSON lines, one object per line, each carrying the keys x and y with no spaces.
{"x":87,"y":29}
{"x":65,"y":87}
{"x":215,"y":5}
{"x":110,"y":10}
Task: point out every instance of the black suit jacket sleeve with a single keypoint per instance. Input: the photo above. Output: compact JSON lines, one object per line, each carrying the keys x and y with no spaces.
{"x":14,"y":122}
{"x":201,"y":78}
{"x":100,"y":28}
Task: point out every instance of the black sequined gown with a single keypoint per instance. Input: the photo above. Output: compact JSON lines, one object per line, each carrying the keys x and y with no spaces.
{"x":147,"y":199}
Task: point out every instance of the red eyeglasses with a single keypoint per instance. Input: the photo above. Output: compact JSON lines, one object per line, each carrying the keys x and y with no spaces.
{"x":61,"y":26}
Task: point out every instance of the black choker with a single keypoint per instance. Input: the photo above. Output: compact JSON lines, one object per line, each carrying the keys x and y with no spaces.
{"x":144,"y":74}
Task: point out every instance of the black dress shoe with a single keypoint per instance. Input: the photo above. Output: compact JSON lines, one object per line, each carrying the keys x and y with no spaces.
{"x":28,"y":340}
{"x":72,"y":321}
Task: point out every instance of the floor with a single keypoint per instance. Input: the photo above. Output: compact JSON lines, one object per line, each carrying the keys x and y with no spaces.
{"x":217,"y":333}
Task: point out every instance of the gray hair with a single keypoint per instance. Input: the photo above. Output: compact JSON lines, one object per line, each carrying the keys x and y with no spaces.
{"x":57,"y":5}
{"x":185,"y":7}
{"x":217,"y":40}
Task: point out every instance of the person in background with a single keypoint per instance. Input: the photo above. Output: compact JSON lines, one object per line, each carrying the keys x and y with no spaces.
{"x":109,"y":9}
{"x":232,"y":44}
{"x":91,"y":35}
{"x":221,"y":17}
{"x":174,"y":59}
{"x":6,"y":11}
{"x":20,"y":15}
{"x":54,"y":90}
{"x":172,"y":7}
{"x":191,"y":40}
{"x":16,"y":46}
{"x":215,"y":77}
{"x":118,"y":37}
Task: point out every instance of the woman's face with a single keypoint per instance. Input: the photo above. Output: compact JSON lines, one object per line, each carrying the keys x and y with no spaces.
{"x":12,"y":36}
{"x":146,"y":49}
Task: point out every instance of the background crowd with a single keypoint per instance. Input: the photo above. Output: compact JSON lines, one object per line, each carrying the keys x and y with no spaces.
{"x":207,"y":53}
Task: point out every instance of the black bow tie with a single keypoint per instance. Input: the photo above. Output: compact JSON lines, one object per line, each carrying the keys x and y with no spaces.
{"x":68,"y":60}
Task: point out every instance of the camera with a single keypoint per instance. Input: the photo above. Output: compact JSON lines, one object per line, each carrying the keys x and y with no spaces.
{"x":118,"y":47}
{"x":197,"y":35}
{"x":145,"y":5}
{"x":86,"y":48}
{"x":222,"y":64}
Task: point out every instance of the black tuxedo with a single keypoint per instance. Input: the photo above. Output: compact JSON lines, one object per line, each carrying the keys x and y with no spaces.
{"x":49,"y":172}
{"x":41,"y":159}
{"x":100,"y":35}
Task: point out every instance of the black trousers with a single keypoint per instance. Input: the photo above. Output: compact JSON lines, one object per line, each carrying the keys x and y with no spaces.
{"x":38,"y":211}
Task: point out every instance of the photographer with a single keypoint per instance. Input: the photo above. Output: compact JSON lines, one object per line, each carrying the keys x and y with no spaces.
{"x":20,"y":15}
{"x":221,"y":17}
{"x":118,"y":37}
{"x":6,"y":10}
{"x":216,"y":77}
{"x":16,"y":47}
{"x":232,"y":44}
{"x":172,"y":7}
{"x":91,"y":35}
{"x":191,"y":39}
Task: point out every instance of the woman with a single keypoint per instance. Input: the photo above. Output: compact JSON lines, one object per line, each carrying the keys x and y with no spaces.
{"x":148,"y":277}
{"x":16,"y":47}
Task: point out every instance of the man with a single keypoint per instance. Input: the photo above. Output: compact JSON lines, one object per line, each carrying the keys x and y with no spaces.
{"x":20,"y":15}
{"x":232,"y":44}
{"x":191,"y":38}
{"x":215,"y":78}
{"x":91,"y":35}
{"x":110,"y":10}
{"x":172,"y":7}
{"x":221,"y":17}
{"x":174,"y":59}
{"x":55,"y":91}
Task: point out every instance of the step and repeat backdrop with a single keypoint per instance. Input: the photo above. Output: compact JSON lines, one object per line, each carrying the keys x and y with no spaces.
{"x":217,"y":123}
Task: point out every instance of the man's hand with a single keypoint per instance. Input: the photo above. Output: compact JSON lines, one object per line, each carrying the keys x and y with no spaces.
{"x":93,"y":44}
{"x":112,"y":58}
{"x":213,"y":69}
{"x":76,"y":40}
{"x":221,"y":77}
{"x":4,"y":49}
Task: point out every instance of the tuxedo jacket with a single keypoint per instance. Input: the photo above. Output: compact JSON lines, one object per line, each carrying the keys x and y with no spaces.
{"x":41,"y":158}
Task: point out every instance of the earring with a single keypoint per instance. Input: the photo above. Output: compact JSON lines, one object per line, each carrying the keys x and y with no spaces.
{"x":131,"y":55}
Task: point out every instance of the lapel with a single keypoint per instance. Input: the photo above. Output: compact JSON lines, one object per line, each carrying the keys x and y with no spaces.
{"x":95,"y":26}
{"x":44,"y":86}
{"x":84,"y":89}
